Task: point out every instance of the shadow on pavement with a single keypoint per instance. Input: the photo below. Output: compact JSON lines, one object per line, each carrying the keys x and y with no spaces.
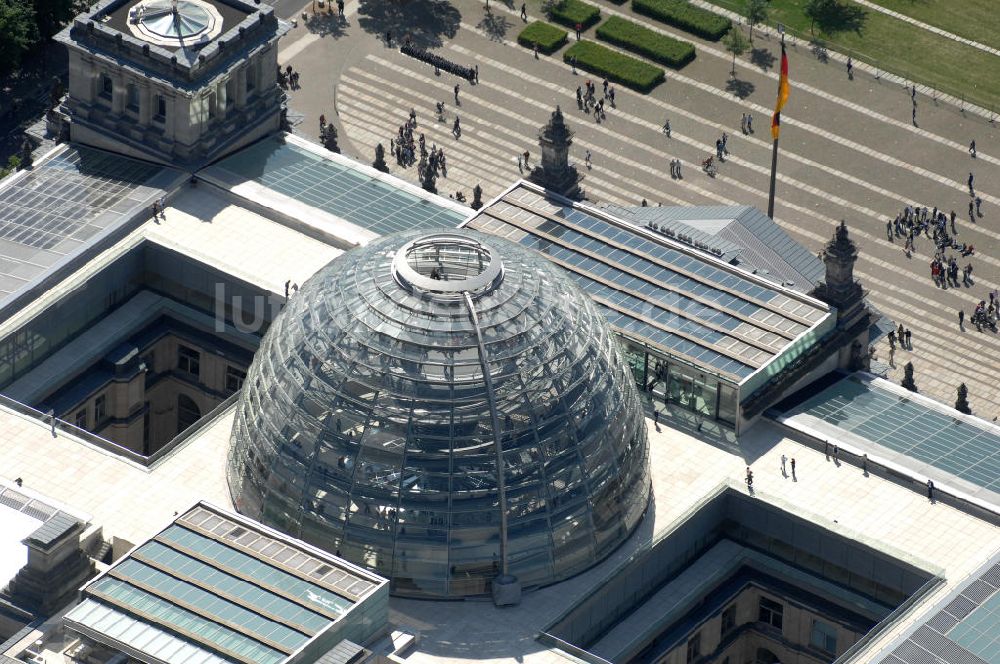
{"x":425,"y":22}
{"x":763,"y":58}
{"x":327,"y":24}
{"x":741,"y":89}
{"x":495,"y":26}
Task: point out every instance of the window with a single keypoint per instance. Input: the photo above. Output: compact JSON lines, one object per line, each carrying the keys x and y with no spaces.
{"x":770,"y":612}
{"x":189,"y":360}
{"x":100,"y":409}
{"x":694,"y":647}
{"x":728,"y":620}
{"x":187,"y":412}
{"x":81,"y":419}
{"x":132,"y":101}
{"x":234,"y":379}
{"x":161,"y":108}
{"x":824,"y":637}
{"x":107,"y":86}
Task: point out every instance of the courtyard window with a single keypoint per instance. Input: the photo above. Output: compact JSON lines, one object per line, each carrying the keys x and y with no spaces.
{"x":770,"y":612}
{"x":161,"y":108}
{"x":100,"y":409}
{"x":728,"y":620}
{"x":823,"y":636}
{"x":694,"y":647}
{"x":251,"y":78}
{"x":81,"y":419}
{"x":189,"y":360}
{"x":132,"y":100}
{"x":234,"y":379}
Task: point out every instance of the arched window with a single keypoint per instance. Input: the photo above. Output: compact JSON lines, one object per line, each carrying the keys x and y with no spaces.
{"x":765,"y":656}
{"x":187,"y":412}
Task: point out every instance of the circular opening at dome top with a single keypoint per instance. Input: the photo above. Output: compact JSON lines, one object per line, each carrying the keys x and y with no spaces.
{"x":447,"y":264}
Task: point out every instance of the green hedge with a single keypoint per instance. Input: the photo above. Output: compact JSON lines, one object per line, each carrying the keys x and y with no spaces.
{"x":638,"y":39}
{"x":571,"y":12}
{"x":548,"y":37}
{"x":687,"y":17}
{"x":602,"y":61}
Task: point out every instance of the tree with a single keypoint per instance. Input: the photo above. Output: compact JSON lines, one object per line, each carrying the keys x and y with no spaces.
{"x":17,"y":33}
{"x":962,"y":403}
{"x":908,"y":377}
{"x":816,"y":10}
{"x":736,"y":44}
{"x":51,"y":15}
{"x":756,"y":13}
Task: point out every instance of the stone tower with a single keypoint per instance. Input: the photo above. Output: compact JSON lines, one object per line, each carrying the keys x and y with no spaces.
{"x":839,"y":289}
{"x":180,"y":82}
{"x":555,"y":172}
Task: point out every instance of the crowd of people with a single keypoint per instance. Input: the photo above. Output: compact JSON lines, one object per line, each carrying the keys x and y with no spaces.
{"x":410,"y":147}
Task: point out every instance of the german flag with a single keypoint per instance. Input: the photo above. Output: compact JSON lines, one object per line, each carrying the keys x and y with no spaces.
{"x":782,"y":95}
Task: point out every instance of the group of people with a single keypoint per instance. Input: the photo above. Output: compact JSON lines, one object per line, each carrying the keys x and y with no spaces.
{"x":288,"y":78}
{"x":915,"y":220}
{"x":405,"y":148}
{"x":587,"y":101}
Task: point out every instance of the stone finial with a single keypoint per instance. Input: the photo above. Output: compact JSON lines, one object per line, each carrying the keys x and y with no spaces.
{"x":556,"y":131}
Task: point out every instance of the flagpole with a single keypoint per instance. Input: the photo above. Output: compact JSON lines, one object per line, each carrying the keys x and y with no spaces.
{"x":774,"y":172}
{"x":774,"y":148}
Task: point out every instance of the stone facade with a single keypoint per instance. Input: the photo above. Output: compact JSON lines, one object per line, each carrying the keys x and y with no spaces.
{"x":183,"y":107}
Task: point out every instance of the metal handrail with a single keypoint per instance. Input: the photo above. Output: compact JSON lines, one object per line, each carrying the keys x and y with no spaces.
{"x":55,"y":424}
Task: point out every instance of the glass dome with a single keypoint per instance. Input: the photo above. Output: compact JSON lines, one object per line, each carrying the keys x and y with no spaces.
{"x":175,"y":22}
{"x":368,"y":426}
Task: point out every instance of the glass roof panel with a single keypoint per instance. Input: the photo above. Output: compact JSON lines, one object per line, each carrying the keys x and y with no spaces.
{"x":952,"y":444}
{"x":344,"y":191}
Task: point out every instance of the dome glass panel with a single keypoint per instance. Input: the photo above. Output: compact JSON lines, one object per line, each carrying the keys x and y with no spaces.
{"x":368,"y":425}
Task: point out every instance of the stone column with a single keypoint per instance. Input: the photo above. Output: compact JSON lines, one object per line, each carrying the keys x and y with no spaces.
{"x":220,"y":99}
{"x":146,"y":100}
{"x":118,"y":93}
{"x":241,"y":87}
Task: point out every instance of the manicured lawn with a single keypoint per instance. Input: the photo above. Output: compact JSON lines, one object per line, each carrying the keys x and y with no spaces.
{"x":643,"y":41}
{"x":978,"y":20}
{"x":602,"y":61}
{"x":572,"y":12}
{"x":902,"y":49}
{"x":682,"y":14}
{"x":548,"y":37}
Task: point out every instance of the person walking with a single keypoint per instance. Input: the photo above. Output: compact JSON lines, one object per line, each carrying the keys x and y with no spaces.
{"x":930,"y":490}
{"x":579,"y":29}
{"x":972,"y":149}
{"x":524,"y":12}
{"x":793,"y":467}
{"x":972,"y":179}
{"x":457,"y":103}
{"x":572,"y":63}
{"x":586,"y":160}
{"x":536,"y":50}
{"x":979,"y":202}
{"x":783,"y":460}
{"x":456,"y":128}
{"x":909,"y":344}
{"x":725,"y":143}
{"x":666,"y":127}
{"x":749,"y":123}
{"x":850,"y":69}
{"x":961,"y":318}
{"x":749,"y":478}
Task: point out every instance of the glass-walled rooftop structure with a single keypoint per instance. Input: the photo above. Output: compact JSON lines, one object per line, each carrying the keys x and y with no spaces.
{"x":443,"y":408}
{"x":696,"y":331}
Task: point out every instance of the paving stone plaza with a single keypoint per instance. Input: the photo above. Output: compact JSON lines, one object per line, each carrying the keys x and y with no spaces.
{"x":848,"y":148}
